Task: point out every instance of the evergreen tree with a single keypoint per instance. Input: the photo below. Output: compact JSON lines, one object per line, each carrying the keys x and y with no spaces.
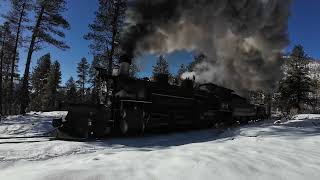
{"x":49,"y":25}
{"x":83,"y":72}
{"x":134,"y":69}
{"x":39,"y":80}
{"x":4,"y":42}
{"x":17,"y":16}
{"x":296,"y":87}
{"x":257,"y":97}
{"x":50,"y":99}
{"x":6,"y":73}
{"x":94,"y":80}
{"x":71,"y":92}
{"x":161,"y":67}
{"x":197,"y":60}
{"x":105,"y":30}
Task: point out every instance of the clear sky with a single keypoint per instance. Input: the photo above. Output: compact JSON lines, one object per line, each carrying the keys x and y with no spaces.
{"x":304,"y":28}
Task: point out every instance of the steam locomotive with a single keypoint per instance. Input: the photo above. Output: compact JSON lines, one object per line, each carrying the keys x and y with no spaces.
{"x":136,"y":105}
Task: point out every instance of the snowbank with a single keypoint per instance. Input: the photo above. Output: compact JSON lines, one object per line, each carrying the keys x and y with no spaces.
{"x":263,"y":151}
{"x":34,"y":123}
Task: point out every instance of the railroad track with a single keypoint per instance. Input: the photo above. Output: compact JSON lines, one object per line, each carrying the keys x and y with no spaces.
{"x":35,"y":139}
{"x":24,"y":137}
{"x":21,"y":139}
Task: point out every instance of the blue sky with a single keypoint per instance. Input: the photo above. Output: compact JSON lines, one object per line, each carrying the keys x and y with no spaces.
{"x":304,"y":28}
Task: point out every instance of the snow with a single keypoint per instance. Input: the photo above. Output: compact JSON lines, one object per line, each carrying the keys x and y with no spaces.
{"x":33,"y":124}
{"x":263,"y":151}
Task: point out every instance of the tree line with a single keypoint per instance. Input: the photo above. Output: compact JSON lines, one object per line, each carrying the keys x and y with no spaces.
{"x":47,"y":93}
{"x":298,"y":91}
{"x":40,"y":89}
{"x":18,"y":31}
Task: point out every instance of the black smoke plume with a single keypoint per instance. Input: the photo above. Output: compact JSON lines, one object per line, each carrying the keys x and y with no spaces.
{"x":243,"y":39}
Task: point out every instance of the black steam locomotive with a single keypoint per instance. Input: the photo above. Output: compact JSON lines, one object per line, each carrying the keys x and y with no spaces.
{"x":136,"y":105}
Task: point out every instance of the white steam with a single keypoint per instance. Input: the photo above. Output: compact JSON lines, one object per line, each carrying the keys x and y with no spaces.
{"x":242,"y":39}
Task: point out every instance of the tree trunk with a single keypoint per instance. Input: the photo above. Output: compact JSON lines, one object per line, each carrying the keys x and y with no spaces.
{"x":83,"y":91}
{"x":14,"y":57}
{"x":111,"y":53}
{"x":1,"y":64}
{"x":25,"y":82}
{"x":114,"y":35}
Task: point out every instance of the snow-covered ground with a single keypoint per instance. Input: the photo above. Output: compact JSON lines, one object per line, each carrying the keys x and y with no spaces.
{"x":32,"y":124}
{"x":265,"y":150}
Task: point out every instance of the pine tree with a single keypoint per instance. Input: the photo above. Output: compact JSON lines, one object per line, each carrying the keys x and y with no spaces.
{"x":49,"y":25}
{"x":39,"y":80}
{"x":71,"y":92}
{"x":257,"y":97}
{"x":83,"y":72}
{"x":5,"y":39}
{"x":197,"y":60}
{"x":161,"y":67}
{"x":94,"y":80}
{"x":296,"y":87}
{"x":134,"y":69}
{"x":17,"y":17}
{"x":6,"y":72}
{"x":50,"y":99}
{"x":105,"y":30}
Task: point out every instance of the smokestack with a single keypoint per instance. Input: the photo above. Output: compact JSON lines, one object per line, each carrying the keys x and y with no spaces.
{"x":125,"y":62}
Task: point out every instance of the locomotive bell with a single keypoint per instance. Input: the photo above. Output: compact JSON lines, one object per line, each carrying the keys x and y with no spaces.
{"x":125,"y":62}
